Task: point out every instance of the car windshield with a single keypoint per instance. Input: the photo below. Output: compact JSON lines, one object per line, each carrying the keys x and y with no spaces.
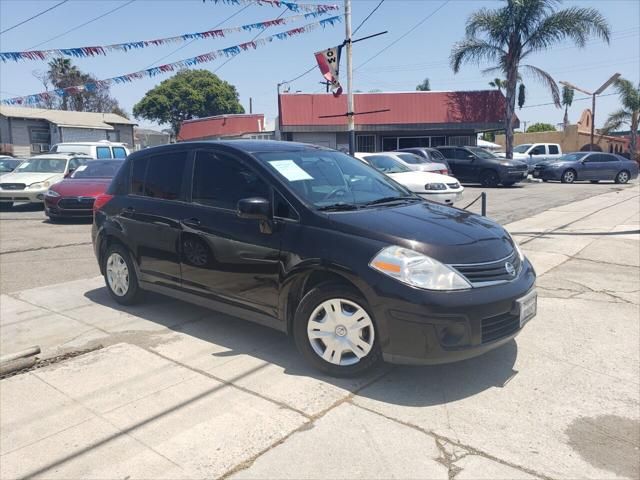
{"x":42,"y":165}
{"x":481,"y":153}
{"x":572,"y":157}
{"x":386,"y":164}
{"x":326,"y":179}
{"x":8,"y":164}
{"x":98,"y":169}
{"x":411,"y":159}
{"x":522,"y":148}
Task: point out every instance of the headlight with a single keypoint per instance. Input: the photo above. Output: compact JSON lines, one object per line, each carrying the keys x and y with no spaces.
{"x":40,"y":185}
{"x":516,"y":246}
{"x":418,"y":270}
{"x":51,"y":193}
{"x":435,"y":186}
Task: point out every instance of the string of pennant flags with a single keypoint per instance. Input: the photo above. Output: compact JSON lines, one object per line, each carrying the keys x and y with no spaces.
{"x":293,"y":6}
{"x":92,"y":51}
{"x":171,"y":67}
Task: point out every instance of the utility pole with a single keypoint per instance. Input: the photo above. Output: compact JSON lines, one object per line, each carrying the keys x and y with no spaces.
{"x":350,"y":107}
{"x":593,"y":95}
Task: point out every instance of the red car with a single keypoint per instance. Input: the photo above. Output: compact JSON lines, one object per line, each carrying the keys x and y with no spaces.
{"x":74,"y":196}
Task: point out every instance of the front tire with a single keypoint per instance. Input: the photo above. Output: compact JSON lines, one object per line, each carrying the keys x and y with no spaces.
{"x":594,"y":181}
{"x":489,"y":179}
{"x":120,"y":275}
{"x":622,"y":177}
{"x":569,"y":176}
{"x":335,"y":331}
{"x":6,"y":205}
{"x":508,"y":184}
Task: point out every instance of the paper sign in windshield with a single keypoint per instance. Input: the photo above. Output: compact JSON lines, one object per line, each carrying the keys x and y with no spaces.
{"x":23,"y":165}
{"x":290,"y":170}
{"x":81,"y":168}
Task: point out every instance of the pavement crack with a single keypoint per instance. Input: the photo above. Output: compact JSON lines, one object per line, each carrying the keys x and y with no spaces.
{"x":37,"y":249}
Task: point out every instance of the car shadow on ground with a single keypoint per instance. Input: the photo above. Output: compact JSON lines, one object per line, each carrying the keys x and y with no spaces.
{"x":232,"y":338}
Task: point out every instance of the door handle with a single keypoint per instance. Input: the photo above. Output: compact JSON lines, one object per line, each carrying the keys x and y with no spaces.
{"x":192,"y":222}
{"x":129,"y":210}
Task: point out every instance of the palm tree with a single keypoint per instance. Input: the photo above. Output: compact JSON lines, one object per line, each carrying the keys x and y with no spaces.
{"x":63,"y":74}
{"x":629,"y":114}
{"x":567,"y":100}
{"x":498,"y":83}
{"x":506,"y":36}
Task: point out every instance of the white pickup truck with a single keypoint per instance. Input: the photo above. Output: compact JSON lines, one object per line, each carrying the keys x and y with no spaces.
{"x":532,"y":153}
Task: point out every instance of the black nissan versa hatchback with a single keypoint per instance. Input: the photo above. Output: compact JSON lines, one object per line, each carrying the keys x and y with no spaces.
{"x":316,"y":244}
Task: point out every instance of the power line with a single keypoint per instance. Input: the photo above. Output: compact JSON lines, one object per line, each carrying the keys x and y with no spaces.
{"x":35,"y":16}
{"x":83,"y":24}
{"x":575,"y":100}
{"x":405,"y":34}
{"x":368,"y":17}
{"x":189,"y":43}
{"x":253,"y":39}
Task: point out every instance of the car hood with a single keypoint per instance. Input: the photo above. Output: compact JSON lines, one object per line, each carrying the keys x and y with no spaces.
{"x":71,"y":187}
{"x":447,"y":234}
{"x":31,"y":177}
{"x":428,"y":167}
{"x":415,"y":181}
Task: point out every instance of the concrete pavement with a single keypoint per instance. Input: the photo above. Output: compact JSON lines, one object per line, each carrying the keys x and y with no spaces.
{"x":183,"y":392}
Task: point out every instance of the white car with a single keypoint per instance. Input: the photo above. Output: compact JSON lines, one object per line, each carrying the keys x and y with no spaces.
{"x":101,"y":150}
{"x":415,"y":162}
{"x":430,"y":186}
{"x":33,"y":177}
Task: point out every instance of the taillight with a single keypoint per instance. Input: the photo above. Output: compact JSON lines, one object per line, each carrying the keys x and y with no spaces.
{"x":101,"y":200}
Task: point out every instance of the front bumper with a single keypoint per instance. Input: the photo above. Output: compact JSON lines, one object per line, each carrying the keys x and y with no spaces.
{"x":547,"y":174}
{"x":72,"y":207}
{"x":513,"y":175}
{"x":421,"y":327}
{"x":448,"y":198}
{"x":27,"y":195}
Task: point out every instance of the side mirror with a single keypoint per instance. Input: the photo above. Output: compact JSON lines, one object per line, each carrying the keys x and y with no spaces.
{"x":256,"y":208}
{"x":471,"y":157}
{"x":530,"y":154}
{"x":68,"y":174}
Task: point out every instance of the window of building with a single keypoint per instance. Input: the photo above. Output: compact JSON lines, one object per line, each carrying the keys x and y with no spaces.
{"x":220,"y":181}
{"x":366,"y":143}
{"x":119,"y":152}
{"x":463,"y":141}
{"x":389,"y":144}
{"x":103,"y":152}
{"x":412,"y":142}
{"x":40,"y":139}
{"x":438,"y":141}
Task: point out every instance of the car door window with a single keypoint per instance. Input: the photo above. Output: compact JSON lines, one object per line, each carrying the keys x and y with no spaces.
{"x":461,"y":154}
{"x":74,"y":163}
{"x":159,"y":176}
{"x":103,"y":152}
{"x":220,"y":180}
{"x":537,"y":150}
{"x":448,"y":152}
{"x":607,"y":158}
{"x":119,"y":152}
{"x":553,"y":150}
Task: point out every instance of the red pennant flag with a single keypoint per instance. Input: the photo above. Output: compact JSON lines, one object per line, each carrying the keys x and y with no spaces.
{"x":329,"y":63}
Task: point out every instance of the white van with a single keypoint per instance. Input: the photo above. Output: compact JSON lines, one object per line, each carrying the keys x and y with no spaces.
{"x":99,"y":150}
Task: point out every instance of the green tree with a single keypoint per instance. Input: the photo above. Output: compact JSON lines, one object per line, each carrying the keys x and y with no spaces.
{"x":567,"y":100}
{"x":629,"y":114}
{"x":541,"y":127}
{"x":498,"y":83}
{"x":188,"y":94}
{"x":506,"y":36}
{"x":425,"y":86}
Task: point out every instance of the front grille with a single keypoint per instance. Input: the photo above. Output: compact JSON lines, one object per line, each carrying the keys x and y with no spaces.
{"x":85,"y":203}
{"x":481,"y":274}
{"x":13,"y":186}
{"x":495,"y":328}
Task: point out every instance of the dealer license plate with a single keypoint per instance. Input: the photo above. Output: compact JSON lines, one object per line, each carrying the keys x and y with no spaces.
{"x":528,"y":307}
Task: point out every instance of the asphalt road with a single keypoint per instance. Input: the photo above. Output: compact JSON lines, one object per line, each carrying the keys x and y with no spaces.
{"x":34,"y":252}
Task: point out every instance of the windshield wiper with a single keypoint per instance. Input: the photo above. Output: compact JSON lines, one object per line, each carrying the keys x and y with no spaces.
{"x":382,"y":200}
{"x":338,"y":207}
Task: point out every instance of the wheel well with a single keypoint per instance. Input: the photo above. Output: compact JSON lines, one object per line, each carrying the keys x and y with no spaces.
{"x":311,"y":281}
{"x":104,"y":246}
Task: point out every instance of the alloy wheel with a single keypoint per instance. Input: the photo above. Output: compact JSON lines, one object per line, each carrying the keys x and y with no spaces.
{"x":340,"y":332}
{"x":569,"y":176}
{"x":118,"y":274}
{"x":623,"y":177}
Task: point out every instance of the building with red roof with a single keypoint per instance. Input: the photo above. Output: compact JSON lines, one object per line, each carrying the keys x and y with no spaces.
{"x":396,"y":119}
{"x":225,"y":127}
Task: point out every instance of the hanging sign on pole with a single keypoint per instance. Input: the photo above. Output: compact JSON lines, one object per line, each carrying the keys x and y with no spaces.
{"x":329,"y":63}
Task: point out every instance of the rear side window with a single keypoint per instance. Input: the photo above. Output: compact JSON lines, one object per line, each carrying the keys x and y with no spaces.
{"x":553,"y":150}
{"x":538,"y":150}
{"x":119,"y":152}
{"x":461,"y":154}
{"x":159,"y":176}
{"x":103,"y":152}
{"x":220,"y":181}
{"x":448,"y":152}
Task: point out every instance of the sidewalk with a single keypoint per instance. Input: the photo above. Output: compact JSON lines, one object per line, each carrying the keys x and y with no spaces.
{"x":183,"y":392}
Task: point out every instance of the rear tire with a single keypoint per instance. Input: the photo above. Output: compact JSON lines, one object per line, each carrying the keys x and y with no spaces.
{"x":6,"y":205}
{"x":489,"y":179}
{"x":508,"y":184}
{"x":569,"y":176}
{"x":335,"y":331}
{"x":120,"y":275}
{"x":623,"y":177}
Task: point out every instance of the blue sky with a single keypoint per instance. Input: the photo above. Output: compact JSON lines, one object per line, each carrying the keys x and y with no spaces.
{"x":424,"y":53}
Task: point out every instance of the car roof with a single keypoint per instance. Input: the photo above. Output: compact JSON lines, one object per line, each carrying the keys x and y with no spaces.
{"x":105,"y":143}
{"x":62,"y":156}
